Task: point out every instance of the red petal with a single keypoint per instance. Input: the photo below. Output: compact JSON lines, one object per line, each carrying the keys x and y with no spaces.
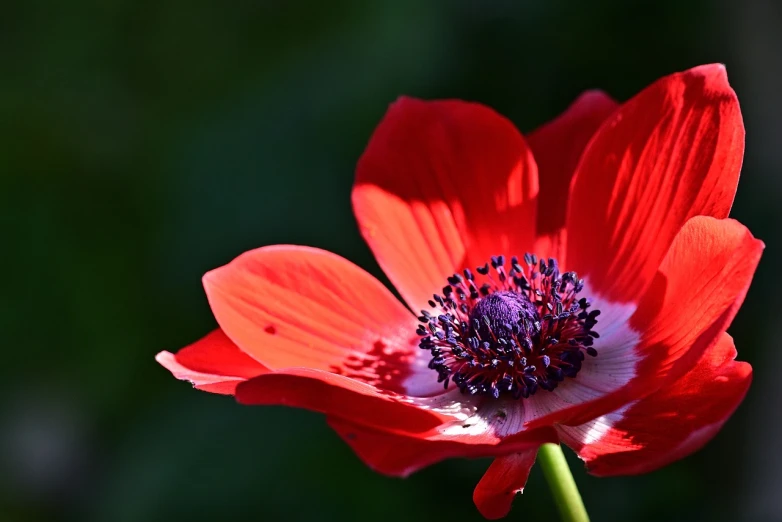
{"x":557,"y":147}
{"x":441,"y":186}
{"x":668,"y":425}
{"x":504,"y":479}
{"x":216,"y":353}
{"x":387,"y":453}
{"x":399,"y":454}
{"x":696,"y":293}
{"x":332,"y":394}
{"x":291,"y":306}
{"x":437,"y":419}
{"x":672,"y":152}
{"x":213,"y":364}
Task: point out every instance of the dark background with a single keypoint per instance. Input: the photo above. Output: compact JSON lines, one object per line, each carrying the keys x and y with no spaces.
{"x":144,"y":143}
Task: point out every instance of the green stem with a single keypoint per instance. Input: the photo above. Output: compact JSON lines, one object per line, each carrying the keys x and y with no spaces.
{"x":560,"y":481}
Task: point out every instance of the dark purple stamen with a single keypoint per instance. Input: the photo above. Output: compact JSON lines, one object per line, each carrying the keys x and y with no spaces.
{"x":511,"y":335}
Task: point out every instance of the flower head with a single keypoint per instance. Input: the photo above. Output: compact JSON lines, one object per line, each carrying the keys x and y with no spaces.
{"x":574,"y":286}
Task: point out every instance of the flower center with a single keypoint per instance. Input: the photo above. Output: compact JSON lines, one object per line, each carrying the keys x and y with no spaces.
{"x":497,"y":313}
{"x":510,"y":332}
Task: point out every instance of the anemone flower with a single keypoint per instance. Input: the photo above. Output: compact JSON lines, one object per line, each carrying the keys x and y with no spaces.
{"x":573,"y":286}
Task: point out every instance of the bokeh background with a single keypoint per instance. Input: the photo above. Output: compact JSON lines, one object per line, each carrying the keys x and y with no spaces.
{"x":143,"y":143}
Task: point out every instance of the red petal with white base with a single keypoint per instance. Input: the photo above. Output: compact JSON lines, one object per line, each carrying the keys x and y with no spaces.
{"x":443,"y":185}
{"x":668,"y":425}
{"x":214,"y":364}
{"x":292,"y":306}
{"x":399,"y":454}
{"x":557,"y":147}
{"x":449,"y":418}
{"x":505,"y":478}
{"x":672,"y":152}
{"x":696,"y":293}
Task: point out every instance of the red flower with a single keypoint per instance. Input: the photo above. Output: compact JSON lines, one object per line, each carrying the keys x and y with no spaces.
{"x":627,"y":362}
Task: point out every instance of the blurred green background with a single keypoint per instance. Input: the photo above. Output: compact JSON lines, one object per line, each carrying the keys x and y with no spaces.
{"x":144,"y":143}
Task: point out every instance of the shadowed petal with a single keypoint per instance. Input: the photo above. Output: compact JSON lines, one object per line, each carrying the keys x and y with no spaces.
{"x":557,"y":147}
{"x":443,"y":185}
{"x":325,"y":392}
